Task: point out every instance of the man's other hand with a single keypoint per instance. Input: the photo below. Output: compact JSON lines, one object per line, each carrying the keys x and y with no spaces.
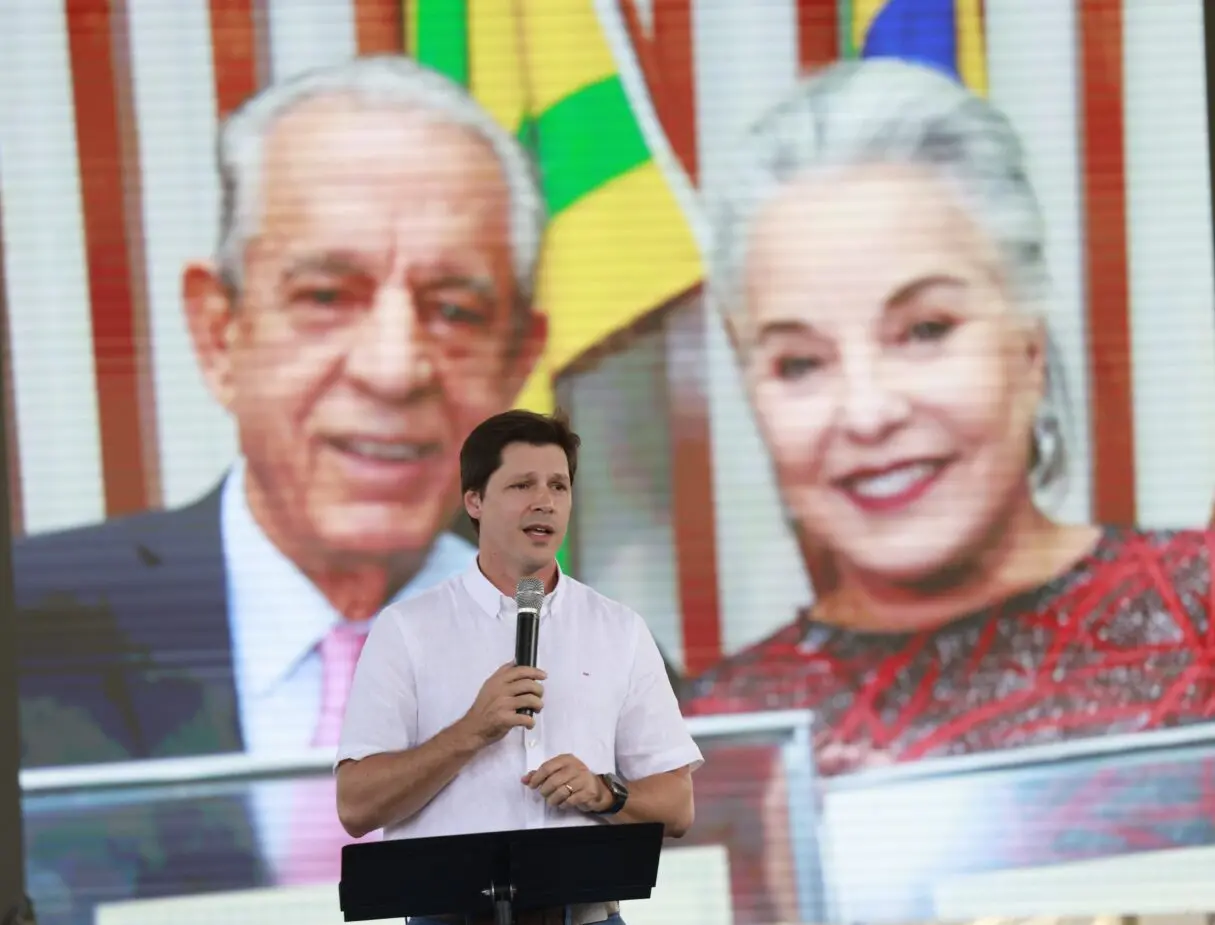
{"x":566,"y":783}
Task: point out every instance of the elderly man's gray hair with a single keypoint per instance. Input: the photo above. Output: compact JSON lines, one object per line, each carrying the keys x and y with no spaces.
{"x":884,"y":111}
{"x":387,"y":80}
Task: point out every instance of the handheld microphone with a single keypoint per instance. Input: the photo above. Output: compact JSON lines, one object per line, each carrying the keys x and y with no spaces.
{"x":529,"y":595}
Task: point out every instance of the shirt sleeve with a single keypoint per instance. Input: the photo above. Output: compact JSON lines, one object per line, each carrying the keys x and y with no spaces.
{"x":651,"y":734}
{"x":382,"y":708}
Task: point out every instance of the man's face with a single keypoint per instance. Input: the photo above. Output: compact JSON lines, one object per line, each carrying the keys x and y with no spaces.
{"x":375,"y":327}
{"x":525,"y":509}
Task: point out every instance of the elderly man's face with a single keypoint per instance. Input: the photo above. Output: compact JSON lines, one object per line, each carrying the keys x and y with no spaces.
{"x":375,"y":327}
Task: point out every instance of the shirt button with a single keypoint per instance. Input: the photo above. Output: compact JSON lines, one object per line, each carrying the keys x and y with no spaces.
{"x":531,"y":743}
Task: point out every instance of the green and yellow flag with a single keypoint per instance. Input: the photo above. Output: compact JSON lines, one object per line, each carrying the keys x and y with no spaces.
{"x":618,"y":243}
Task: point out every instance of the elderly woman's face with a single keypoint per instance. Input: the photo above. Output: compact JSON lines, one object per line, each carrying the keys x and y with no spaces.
{"x":894,"y":382}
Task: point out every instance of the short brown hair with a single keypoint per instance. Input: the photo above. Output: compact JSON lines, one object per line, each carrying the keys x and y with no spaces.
{"x":481,"y":454}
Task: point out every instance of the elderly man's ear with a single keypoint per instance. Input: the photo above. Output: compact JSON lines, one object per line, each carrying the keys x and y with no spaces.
{"x":212,"y":322}
{"x":532,"y":342}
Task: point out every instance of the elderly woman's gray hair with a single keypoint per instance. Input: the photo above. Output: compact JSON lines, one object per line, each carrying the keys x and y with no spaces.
{"x":880,"y":111}
{"x":388,"y":80}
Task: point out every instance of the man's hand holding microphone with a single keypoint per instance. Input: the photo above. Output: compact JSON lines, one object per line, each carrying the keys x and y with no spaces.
{"x":502,"y":700}
{"x":511,"y":697}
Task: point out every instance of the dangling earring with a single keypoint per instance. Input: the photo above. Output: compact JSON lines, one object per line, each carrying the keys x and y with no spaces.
{"x":1045,"y":447}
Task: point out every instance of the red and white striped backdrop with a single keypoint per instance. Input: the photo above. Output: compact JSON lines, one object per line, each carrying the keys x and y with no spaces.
{"x":108,"y":110}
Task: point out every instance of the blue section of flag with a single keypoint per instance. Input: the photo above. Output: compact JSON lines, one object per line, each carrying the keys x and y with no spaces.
{"x":924,"y":31}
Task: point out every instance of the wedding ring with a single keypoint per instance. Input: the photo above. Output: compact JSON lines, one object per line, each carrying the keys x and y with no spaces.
{"x":570,"y":789}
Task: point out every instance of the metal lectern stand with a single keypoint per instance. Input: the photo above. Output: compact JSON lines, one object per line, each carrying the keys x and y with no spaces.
{"x":499,"y":872}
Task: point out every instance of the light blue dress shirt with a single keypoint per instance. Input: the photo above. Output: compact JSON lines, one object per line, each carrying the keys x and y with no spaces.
{"x":277,"y":618}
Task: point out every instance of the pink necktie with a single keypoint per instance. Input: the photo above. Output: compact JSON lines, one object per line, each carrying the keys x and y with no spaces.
{"x":315,"y":850}
{"x":340,"y":652}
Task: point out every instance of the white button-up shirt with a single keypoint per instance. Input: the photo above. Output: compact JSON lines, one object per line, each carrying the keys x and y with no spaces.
{"x":607,"y":699}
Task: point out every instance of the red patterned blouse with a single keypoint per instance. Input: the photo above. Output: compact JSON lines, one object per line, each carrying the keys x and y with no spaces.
{"x":1122,"y":642}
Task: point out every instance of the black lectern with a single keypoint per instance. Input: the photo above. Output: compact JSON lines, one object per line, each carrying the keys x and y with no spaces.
{"x":499,"y":873}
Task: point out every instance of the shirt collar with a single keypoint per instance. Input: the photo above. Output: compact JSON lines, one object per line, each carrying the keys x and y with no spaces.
{"x":278,"y":616}
{"x":497,"y":604}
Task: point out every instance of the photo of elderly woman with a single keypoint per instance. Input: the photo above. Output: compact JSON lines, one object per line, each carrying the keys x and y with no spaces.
{"x":879,"y":262}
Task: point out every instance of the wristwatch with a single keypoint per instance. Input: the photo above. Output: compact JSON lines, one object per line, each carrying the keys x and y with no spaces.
{"x":620,"y":794}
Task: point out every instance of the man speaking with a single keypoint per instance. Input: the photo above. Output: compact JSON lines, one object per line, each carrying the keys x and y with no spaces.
{"x":437,"y":739}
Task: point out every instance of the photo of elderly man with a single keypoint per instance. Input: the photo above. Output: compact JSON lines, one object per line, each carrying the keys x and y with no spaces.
{"x":369,"y":303}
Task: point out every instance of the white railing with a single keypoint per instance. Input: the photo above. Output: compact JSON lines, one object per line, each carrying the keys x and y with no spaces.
{"x":790,"y":730}
{"x":245,"y":766}
{"x":1141,"y":745}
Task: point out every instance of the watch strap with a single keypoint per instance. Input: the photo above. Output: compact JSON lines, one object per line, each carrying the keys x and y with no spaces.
{"x":615,"y":786}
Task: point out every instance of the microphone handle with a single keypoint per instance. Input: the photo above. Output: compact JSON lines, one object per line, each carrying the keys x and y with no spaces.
{"x":527,"y":638}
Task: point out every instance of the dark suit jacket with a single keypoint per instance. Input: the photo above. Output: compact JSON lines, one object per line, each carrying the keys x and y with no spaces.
{"x":124,"y":652}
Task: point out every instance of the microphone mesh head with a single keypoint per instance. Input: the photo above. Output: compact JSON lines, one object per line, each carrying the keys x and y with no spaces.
{"x":529,"y":594}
